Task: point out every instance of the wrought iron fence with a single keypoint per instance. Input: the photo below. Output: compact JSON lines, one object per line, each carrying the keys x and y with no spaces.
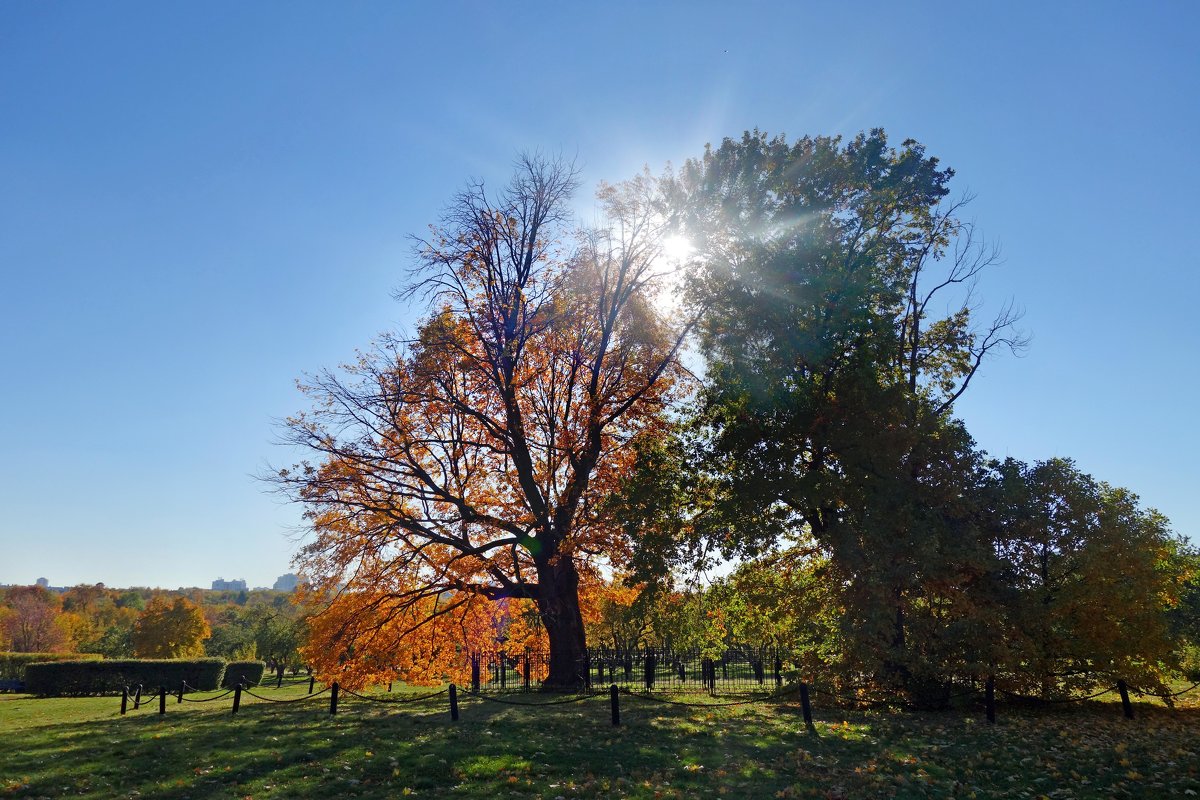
{"x":736,"y":669}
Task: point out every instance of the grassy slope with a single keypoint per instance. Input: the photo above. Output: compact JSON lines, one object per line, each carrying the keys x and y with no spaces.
{"x":82,"y":747}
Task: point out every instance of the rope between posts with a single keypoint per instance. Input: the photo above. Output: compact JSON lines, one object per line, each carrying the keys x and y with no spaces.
{"x":549,"y":703}
{"x":763,"y":699}
{"x":1166,"y":696}
{"x":292,"y":700}
{"x":394,"y":700}
{"x":1059,"y":700}
{"x":207,"y":699}
{"x":849,"y":698}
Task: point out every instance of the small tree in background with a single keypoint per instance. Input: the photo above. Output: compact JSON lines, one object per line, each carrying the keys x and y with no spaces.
{"x":1089,"y":577}
{"x":170,"y":629}
{"x":32,"y":624}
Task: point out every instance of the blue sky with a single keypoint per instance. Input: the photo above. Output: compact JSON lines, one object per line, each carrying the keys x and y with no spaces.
{"x":201,"y":202}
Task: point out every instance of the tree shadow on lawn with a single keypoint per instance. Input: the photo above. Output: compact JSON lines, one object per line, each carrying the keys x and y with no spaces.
{"x":760,"y":750}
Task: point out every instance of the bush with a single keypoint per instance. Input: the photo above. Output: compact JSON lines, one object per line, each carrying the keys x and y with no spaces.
{"x":12,"y":665}
{"x":247,"y":672}
{"x":79,"y":678}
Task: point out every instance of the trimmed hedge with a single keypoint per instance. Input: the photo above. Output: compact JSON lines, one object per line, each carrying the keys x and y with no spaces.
{"x":80,"y":678}
{"x":12,"y":665}
{"x":247,"y":672}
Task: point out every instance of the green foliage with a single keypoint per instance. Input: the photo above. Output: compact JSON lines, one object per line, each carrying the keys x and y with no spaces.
{"x":1090,"y":578}
{"x":825,"y":416}
{"x":12,"y":665}
{"x":249,"y":673}
{"x":79,"y":678}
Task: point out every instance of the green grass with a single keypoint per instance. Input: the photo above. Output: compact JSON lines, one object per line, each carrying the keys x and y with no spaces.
{"x":83,"y":748}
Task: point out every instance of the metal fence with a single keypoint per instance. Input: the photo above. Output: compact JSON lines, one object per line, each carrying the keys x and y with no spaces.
{"x":735,"y":670}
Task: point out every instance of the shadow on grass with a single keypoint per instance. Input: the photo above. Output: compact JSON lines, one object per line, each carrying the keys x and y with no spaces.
{"x":377,"y":750}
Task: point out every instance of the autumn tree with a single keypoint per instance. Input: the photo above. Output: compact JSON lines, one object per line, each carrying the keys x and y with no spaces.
{"x":459,"y":473}
{"x":1090,"y":578}
{"x":170,"y":628}
{"x":34,"y":624}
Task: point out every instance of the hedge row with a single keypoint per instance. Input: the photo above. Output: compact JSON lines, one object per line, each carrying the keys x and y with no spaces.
{"x":247,"y":672}
{"x":79,"y":678}
{"x":12,"y":665}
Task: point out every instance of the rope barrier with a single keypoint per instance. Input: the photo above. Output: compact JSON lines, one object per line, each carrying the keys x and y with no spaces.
{"x":548,"y":703}
{"x":291,"y":700}
{"x":207,"y":699}
{"x":368,"y":698}
{"x":869,"y":705}
{"x":658,"y":699}
{"x":1058,"y":700}
{"x":1180,"y":693}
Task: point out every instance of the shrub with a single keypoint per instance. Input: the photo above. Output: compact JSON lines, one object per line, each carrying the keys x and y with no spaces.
{"x":247,"y":672}
{"x":12,"y":665}
{"x":78,"y":678}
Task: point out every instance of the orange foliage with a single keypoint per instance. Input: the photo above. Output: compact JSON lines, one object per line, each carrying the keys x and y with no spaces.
{"x":469,"y":465}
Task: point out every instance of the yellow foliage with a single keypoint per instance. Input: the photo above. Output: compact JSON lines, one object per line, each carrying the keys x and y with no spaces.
{"x":170,"y":629}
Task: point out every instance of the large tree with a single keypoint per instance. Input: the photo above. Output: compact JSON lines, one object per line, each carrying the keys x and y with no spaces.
{"x":838,"y":277}
{"x":465,"y":466}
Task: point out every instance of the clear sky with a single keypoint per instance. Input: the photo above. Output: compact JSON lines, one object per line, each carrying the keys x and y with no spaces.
{"x":201,"y":202}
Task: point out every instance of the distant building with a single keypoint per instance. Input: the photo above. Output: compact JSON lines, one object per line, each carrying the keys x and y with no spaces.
{"x":286,"y":583}
{"x":222,"y":585}
{"x":43,"y":582}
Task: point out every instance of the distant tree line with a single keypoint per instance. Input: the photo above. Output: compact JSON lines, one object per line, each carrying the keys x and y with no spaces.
{"x":153,"y":623}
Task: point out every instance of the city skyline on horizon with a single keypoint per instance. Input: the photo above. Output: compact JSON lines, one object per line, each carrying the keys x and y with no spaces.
{"x":249,"y":586}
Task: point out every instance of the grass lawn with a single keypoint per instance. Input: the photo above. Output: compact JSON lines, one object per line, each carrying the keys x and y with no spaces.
{"x":83,"y":748}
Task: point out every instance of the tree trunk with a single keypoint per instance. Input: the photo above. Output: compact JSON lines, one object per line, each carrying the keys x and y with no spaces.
{"x":558,"y":604}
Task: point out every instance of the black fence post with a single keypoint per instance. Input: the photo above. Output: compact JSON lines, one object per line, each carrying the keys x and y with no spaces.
{"x":179,"y":697}
{"x":1123,"y":688}
{"x":237,"y":697}
{"x":333,"y":697}
{"x":453,"y":703}
{"x":527,"y":670}
{"x":475,"y":673}
{"x":503,"y":670}
{"x":162,"y":700}
{"x":312,"y":683}
{"x":805,"y":706}
{"x":614,"y":699}
{"x":124,"y":699}
{"x":989,"y":699}
{"x":137,"y":698}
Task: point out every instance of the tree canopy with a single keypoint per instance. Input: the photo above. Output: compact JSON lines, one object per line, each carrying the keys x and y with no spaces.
{"x":468,"y":464}
{"x":170,"y":628}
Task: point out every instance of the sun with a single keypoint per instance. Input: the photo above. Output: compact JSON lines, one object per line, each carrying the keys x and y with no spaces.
{"x":676,"y":250}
